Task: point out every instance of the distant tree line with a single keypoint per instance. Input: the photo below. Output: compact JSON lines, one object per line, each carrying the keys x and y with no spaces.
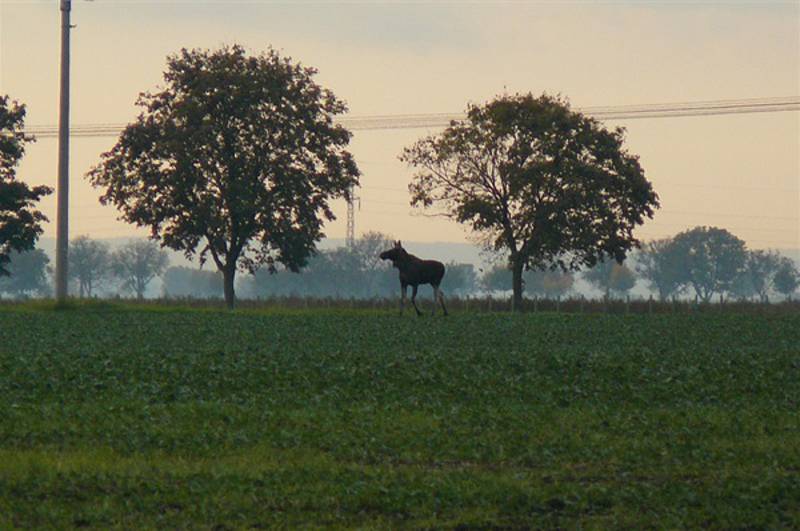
{"x":702,"y":263}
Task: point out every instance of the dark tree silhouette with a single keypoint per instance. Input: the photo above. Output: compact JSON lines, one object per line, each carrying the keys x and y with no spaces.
{"x":137,"y":263}
{"x":20,"y":223}
{"x":536,"y":180}
{"x":711,"y":259}
{"x":237,"y":158}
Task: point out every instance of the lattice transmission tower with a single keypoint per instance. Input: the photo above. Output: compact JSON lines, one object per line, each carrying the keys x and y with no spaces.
{"x":351,"y":218}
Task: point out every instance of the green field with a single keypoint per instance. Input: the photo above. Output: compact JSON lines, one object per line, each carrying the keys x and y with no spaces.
{"x":173,"y":418}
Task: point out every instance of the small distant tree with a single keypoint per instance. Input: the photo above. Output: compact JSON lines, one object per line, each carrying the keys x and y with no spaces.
{"x":497,"y":278}
{"x":20,"y":222}
{"x":712,"y":259}
{"x":459,"y":279}
{"x":609,"y":276}
{"x":787,"y":278}
{"x":536,"y":180}
{"x":28,"y":272}
{"x":237,"y":158}
{"x":137,"y":263}
{"x":367,"y":249}
{"x":89,"y":264}
{"x":549,"y":283}
{"x":659,"y":263}
{"x":188,"y":282}
{"x":758,"y":273}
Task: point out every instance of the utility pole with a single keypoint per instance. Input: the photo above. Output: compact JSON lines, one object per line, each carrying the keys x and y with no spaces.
{"x":62,"y":220}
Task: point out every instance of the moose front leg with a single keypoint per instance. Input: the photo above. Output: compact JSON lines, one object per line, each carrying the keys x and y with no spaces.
{"x":403,"y":294}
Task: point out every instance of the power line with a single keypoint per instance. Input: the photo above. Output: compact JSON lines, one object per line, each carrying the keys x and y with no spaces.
{"x":415,"y":121}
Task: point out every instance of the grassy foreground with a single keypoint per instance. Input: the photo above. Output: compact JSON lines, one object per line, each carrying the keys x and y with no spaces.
{"x":168,"y":418}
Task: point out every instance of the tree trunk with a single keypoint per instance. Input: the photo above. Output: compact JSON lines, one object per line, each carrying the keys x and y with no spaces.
{"x":228,"y":275}
{"x":516,"y":269}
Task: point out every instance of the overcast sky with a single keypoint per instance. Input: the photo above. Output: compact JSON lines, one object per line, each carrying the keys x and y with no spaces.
{"x":740,"y":172}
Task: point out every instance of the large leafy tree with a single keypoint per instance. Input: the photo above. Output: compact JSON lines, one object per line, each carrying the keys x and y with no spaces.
{"x":660,"y":264}
{"x":137,"y":263}
{"x":535,"y":180}
{"x":20,"y":222}
{"x":236,"y":158}
{"x":27,"y":274}
{"x":712,"y":259}
{"x":89,"y":264}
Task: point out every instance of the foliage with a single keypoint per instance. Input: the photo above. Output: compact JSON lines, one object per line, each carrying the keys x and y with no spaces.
{"x":711,"y":258}
{"x":787,"y":278}
{"x":609,"y":276}
{"x":536,"y":180}
{"x":550,"y":283}
{"x":238,"y":157}
{"x":366,"y":420}
{"x":459,"y":279}
{"x":660,"y":264}
{"x":757,"y":277}
{"x":27,"y":274}
{"x":20,"y":223}
{"x":188,"y":282}
{"x":89,"y":264}
{"x":137,"y":263}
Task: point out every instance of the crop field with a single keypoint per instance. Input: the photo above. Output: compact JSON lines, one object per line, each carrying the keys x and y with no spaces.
{"x":165,"y":417}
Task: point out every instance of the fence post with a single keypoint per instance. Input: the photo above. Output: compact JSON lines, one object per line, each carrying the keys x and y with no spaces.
{"x":582,"y":302}
{"x":627,"y":304}
{"x":558,"y":304}
{"x":650,"y":305}
{"x":535,"y":304}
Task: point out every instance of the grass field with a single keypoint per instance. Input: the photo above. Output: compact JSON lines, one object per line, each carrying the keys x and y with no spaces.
{"x":176,"y":418}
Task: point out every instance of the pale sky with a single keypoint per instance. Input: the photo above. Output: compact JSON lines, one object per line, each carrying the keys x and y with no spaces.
{"x":740,"y":172}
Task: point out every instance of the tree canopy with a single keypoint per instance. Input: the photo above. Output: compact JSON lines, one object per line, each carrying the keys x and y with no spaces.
{"x":89,"y":264}
{"x":660,"y":263}
{"x":712,"y":259}
{"x":237,"y":157}
{"x":20,"y":222}
{"x":535,"y":180}
{"x":27,"y":274}
{"x":137,"y":263}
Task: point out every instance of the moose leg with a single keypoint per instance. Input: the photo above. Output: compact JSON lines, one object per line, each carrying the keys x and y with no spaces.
{"x":438,"y":295}
{"x":403,"y":294}
{"x":414,"y":299}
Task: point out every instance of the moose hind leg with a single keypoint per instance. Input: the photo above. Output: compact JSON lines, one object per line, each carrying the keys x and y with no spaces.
{"x":414,"y":299}
{"x":438,"y":295}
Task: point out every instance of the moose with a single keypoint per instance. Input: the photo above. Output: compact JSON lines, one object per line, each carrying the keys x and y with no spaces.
{"x":413,"y":272}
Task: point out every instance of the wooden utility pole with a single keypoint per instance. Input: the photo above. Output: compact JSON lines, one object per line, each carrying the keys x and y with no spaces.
{"x":62,"y":220}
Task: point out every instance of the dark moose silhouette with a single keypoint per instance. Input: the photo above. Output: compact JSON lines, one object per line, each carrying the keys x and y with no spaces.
{"x":415,"y":271}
